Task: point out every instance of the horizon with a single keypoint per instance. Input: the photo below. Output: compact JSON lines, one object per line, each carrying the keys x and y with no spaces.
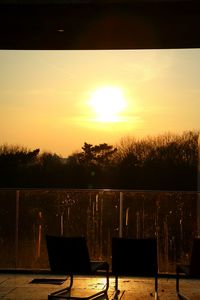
{"x":57,"y":100}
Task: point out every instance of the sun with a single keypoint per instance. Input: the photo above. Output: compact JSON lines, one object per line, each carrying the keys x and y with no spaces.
{"x":108,"y":103}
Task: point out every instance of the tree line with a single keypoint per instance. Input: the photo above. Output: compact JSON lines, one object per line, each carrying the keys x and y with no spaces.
{"x":164,"y":162}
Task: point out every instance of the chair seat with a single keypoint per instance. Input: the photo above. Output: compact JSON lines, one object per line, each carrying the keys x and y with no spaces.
{"x":181,"y":268}
{"x":99,"y":266}
{"x":186,"y":270}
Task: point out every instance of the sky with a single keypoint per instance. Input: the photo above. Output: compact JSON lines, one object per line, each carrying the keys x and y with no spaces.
{"x":57,"y":100}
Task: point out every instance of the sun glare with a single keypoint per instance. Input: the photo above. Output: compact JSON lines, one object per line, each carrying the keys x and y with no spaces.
{"x":108,"y":103}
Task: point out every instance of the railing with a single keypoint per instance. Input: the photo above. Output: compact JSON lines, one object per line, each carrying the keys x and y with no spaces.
{"x":27,"y":215}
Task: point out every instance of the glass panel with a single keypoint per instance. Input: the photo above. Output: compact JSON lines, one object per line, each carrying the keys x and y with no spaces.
{"x":26,"y":217}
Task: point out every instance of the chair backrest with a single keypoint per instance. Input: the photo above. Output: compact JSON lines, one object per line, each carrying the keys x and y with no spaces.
{"x":68,"y":255}
{"x":195,"y":258}
{"x":134,"y":257}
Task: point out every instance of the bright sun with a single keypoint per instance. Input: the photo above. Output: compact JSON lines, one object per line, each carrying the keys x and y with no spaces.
{"x":108,"y":103}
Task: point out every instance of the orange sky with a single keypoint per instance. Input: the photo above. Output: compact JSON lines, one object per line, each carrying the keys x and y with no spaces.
{"x":46,"y":96}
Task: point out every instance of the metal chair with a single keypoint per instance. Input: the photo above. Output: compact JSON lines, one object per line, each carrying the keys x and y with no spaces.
{"x":190,"y":271}
{"x":70,"y":256}
{"x":134,"y":257}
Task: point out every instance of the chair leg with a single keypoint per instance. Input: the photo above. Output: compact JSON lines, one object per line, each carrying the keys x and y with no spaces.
{"x":116,"y":283}
{"x":117,"y":291}
{"x":56,"y":294}
{"x":180,"y":296}
{"x":177,"y":282}
{"x":156,"y":287}
{"x":61,"y":294}
{"x":107,"y":279}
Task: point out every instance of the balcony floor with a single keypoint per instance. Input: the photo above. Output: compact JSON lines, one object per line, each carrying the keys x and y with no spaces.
{"x":18,"y":287}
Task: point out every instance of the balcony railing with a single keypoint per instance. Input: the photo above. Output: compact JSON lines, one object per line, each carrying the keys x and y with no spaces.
{"x":27,"y":215}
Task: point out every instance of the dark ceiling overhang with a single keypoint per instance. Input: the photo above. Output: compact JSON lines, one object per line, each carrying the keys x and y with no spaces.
{"x":99,"y":24}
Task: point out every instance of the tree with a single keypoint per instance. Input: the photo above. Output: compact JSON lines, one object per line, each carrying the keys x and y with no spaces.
{"x":100,"y":154}
{"x":93,"y":164}
{"x":15,"y":161}
{"x":168,"y":161}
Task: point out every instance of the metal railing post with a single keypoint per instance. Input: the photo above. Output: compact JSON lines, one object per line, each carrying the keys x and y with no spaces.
{"x":16,"y":227}
{"x":120,"y":214}
{"x":198,"y":190}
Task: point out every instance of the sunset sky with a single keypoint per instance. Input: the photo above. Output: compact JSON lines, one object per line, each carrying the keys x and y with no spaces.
{"x":57,"y":100}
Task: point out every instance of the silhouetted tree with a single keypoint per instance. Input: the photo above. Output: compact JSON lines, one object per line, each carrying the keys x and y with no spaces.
{"x":166,"y":162}
{"x":51,"y":170}
{"x":14,"y":164}
{"x":93,"y":163}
